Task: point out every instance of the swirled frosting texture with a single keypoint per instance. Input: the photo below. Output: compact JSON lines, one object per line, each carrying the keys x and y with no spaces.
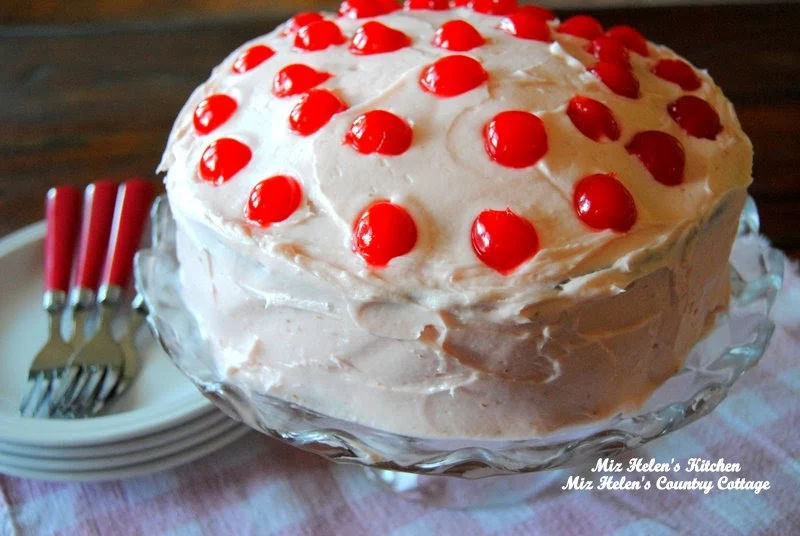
{"x":429,"y":343}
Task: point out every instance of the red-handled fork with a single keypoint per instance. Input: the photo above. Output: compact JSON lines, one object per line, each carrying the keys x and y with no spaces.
{"x":98,"y":211}
{"x":62,"y":212}
{"x":97,"y":366}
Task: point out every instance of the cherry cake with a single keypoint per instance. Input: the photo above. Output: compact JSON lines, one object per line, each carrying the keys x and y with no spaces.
{"x":465,"y":219}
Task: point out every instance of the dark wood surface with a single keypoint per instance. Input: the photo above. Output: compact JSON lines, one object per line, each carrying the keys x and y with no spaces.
{"x":58,"y":11}
{"x":80,"y":102}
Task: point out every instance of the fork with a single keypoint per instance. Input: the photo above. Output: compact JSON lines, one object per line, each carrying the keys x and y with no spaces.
{"x":98,"y":211}
{"x":130,"y":367}
{"x":62,"y":212}
{"x":97,"y":367}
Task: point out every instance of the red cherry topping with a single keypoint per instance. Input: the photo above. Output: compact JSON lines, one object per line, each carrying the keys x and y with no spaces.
{"x":696,"y":117}
{"x":376,"y":38}
{"x":677,"y":72}
{"x":502,"y":240}
{"x":458,"y":35}
{"x":359,"y":9}
{"x":515,"y":139}
{"x":581,"y":26}
{"x":252,"y":58}
{"x":318,"y":36}
{"x":618,"y":79}
{"x":593,"y":118}
{"x":273,"y":200}
{"x":602,"y":202}
{"x":297,"y":78}
{"x":212,"y":112}
{"x":661,"y":154}
{"x":314,"y":111}
{"x":379,"y":132}
{"x":452,"y":75}
{"x":630,"y":38}
{"x":432,"y":5}
{"x":494,"y":7}
{"x":223,"y":159}
{"x":609,"y":50}
{"x":526,"y":26}
{"x":537,"y":11}
{"x":382,"y":232}
{"x":300,"y":20}
{"x":459,"y":3}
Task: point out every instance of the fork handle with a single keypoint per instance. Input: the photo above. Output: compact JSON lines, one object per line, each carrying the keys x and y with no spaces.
{"x":133,"y":203}
{"x":62,"y":212}
{"x":98,"y":212}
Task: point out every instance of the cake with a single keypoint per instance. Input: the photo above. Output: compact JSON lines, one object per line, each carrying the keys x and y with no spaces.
{"x":472,"y":221}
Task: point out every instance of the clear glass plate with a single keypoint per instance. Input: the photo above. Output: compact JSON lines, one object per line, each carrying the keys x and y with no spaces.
{"x":736,"y":343}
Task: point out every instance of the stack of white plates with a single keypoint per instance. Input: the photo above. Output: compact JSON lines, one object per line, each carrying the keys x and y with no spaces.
{"x":160,"y":422}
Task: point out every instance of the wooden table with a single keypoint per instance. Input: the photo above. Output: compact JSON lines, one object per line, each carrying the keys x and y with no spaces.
{"x":82,"y":102}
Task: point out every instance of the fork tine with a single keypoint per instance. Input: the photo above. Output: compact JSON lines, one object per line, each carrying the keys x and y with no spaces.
{"x":92,"y":393}
{"x":34,"y":395}
{"x":113,"y":385}
{"x":71,"y":399}
{"x":33,"y":381}
{"x":70,"y":385}
{"x":64,"y":382}
{"x":87,"y":397}
{"x":50,"y":382}
{"x":112,"y":382}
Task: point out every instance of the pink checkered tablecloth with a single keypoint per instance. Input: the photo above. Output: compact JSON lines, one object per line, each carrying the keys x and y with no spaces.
{"x":259,"y":486}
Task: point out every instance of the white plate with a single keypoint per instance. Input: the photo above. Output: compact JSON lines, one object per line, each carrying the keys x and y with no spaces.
{"x":153,"y":466}
{"x":160,"y":399}
{"x":208,"y":420}
{"x":123,"y":460}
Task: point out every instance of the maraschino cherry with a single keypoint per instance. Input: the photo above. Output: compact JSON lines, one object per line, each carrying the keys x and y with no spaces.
{"x":382,"y":232}
{"x":515,"y":139}
{"x":538,"y":11}
{"x":223,"y":159}
{"x":618,"y":79}
{"x":431,"y":5}
{"x":593,"y":118}
{"x":696,"y":117}
{"x":212,"y":112}
{"x":379,"y":131}
{"x":493,"y":7}
{"x":314,"y":111}
{"x":452,"y":75}
{"x":661,"y":154}
{"x":360,"y":9}
{"x":273,"y":200}
{"x":581,"y":26}
{"x":503,"y":240}
{"x":524,"y":25}
{"x":630,"y":38}
{"x":602,"y":202}
{"x":678,"y":72}
{"x":297,"y":78}
{"x":252,"y":58}
{"x":318,"y":36}
{"x":608,"y":50}
{"x":377,"y":38}
{"x":300,"y":20}
{"x":458,"y":36}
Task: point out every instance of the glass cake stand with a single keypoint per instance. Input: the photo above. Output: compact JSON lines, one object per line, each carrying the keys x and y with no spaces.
{"x":452,"y":472}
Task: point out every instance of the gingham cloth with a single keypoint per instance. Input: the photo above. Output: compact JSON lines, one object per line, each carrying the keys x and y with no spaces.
{"x":260,"y":486}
